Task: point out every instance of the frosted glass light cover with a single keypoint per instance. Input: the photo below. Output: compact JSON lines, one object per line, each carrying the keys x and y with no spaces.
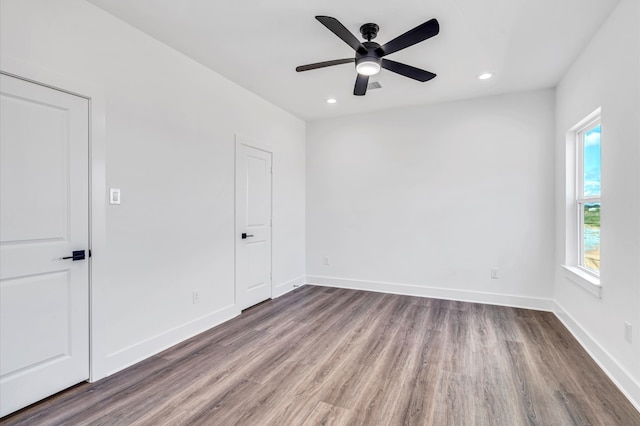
{"x":368,"y":68}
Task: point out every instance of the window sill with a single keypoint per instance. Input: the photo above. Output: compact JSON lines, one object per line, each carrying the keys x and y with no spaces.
{"x":583,"y":279}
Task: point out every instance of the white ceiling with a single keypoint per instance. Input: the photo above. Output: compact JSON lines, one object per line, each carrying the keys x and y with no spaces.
{"x":526,"y":44}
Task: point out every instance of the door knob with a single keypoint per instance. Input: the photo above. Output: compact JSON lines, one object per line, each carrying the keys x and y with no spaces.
{"x":245,"y":235}
{"x":76,"y":255}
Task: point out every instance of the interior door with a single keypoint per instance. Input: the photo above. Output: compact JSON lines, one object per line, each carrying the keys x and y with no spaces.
{"x":253,"y":225}
{"x":44,"y":217}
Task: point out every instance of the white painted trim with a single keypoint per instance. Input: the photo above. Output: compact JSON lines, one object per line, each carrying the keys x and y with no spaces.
{"x":535,"y":303}
{"x":97,"y":206}
{"x":133,"y":354}
{"x":284,"y":288}
{"x":244,"y":140}
{"x":612,"y":368}
{"x":583,"y":279}
{"x":574,"y":249}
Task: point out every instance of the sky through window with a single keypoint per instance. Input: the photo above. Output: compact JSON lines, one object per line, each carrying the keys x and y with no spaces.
{"x":592,"y":162}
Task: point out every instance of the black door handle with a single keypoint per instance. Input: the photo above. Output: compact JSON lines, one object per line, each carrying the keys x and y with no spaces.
{"x":77,"y":255}
{"x":245,"y":235}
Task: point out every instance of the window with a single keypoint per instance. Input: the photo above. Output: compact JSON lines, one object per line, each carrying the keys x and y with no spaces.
{"x":582,"y":207}
{"x":588,"y":194}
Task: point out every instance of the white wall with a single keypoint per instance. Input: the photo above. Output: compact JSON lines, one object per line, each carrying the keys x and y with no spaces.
{"x":607,"y":75}
{"x":170,"y":128}
{"x":425,"y":200}
{"x":421,"y":200}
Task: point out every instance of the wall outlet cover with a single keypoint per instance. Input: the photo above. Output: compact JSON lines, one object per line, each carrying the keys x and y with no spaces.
{"x":494,"y":273}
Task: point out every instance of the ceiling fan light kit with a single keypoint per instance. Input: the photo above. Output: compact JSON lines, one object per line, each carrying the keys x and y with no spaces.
{"x":369,"y":55}
{"x":368,"y":67}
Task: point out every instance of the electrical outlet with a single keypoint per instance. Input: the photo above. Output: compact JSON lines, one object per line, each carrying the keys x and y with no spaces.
{"x":627,"y":332}
{"x":494,"y":273}
{"x":326,"y":261}
{"x":195,"y":296}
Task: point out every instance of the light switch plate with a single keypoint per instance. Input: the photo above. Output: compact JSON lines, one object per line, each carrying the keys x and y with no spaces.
{"x":114,"y":196}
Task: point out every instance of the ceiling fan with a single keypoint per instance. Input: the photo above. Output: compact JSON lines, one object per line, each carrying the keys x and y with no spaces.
{"x":369,"y":55}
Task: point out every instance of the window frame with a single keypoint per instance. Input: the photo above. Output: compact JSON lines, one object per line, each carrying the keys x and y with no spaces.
{"x":574,"y":238}
{"x":594,"y":120}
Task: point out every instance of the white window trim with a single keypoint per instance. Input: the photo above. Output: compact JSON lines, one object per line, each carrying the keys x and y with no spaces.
{"x":581,"y":199}
{"x":574,"y":271}
{"x":584,"y":279}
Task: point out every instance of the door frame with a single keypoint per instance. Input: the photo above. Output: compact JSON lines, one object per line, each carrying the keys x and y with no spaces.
{"x":243,"y":140}
{"x":97,"y":195}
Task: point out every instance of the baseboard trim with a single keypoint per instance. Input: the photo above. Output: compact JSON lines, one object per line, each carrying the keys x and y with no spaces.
{"x":534,"y":303}
{"x":618,"y":375}
{"x":284,"y":288}
{"x":133,"y":354}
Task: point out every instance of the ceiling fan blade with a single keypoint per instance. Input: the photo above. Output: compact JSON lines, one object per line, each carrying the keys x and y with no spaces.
{"x":411,"y":37}
{"x":407,"y":70}
{"x":361,"y":85}
{"x":324,"y":64}
{"x":338,"y":29}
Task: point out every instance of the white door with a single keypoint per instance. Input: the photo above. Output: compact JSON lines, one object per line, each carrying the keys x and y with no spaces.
{"x":44,"y":199}
{"x":253,"y":225}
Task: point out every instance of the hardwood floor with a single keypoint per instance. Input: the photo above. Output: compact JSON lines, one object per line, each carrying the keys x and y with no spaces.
{"x":344,"y":357}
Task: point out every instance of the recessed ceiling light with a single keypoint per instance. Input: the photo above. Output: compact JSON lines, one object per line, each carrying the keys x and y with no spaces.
{"x":485,"y":76}
{"x":331,"y":101}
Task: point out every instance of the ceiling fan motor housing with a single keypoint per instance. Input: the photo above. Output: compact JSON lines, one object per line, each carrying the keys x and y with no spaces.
{"x":371,"y":55}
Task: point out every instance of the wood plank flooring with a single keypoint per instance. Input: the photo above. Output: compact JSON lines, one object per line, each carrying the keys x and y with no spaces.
{"x":344,"y":357}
